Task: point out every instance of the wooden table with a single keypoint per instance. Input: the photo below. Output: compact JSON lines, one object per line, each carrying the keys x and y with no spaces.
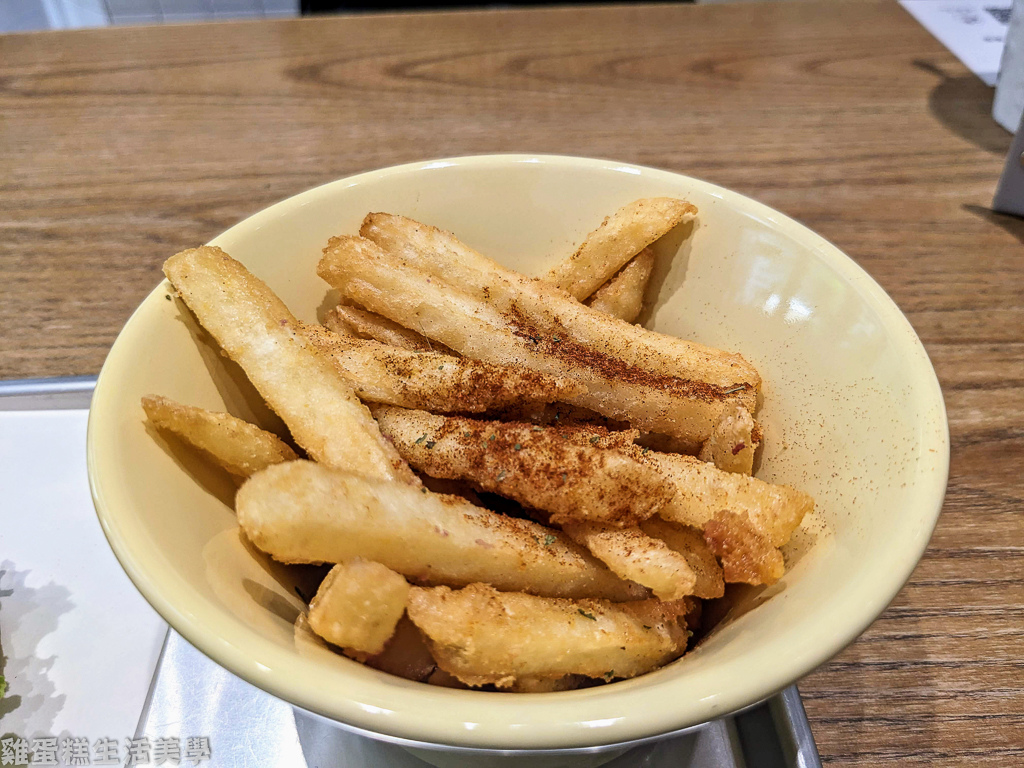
{"x":120,"y":146}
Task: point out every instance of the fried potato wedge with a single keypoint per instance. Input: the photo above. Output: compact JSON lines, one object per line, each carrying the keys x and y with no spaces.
{"x":733,"y":442}
{"x":380,"y":373}
{"x":746,"y":556}
{"x":532,"y":465}
{"x":303,"y":512}
{"x":657,"y":383}
{"x":256,"y":330}
{"x":634,"y":555}
{"x":689,"y":543}
{"x":364,"y":324}
{"x":702,"y":490}
{"x":619,"y":238}
{"x":623,"y":295}
{"x":358,"y":605}
{"x":481,"y":635}
{"x":236,"y":445}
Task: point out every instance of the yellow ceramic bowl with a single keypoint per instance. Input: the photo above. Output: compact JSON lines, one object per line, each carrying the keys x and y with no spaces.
{"x":852,"y":413}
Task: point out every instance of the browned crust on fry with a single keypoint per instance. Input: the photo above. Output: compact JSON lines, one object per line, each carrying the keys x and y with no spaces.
{"x":689,"y":542}
{"x":746,"y":556}
{"x":553,"y":340}
{"x":631,"y":554}
{"x":701,"y":490}
{"x":433,"y":381}
{"x":533,"y":465}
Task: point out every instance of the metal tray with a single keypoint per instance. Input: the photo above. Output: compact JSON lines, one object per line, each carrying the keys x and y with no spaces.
{"x":249,"y":728}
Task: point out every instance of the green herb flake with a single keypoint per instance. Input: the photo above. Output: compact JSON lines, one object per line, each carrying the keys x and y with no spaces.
{"x":501,"y":475}
{"x":564,"y":477}
{"x":556,"y":339}
{"x":168,"y":297}
{"x":431,"y":444}
{"x":518,"y":446}
{"x":537,"y":429}
{"x":609,"y":674}
{"x":424,"y":490}
{"x":593,"y":440}
{"x":440,"y":367}
{"x":558,"y":416}
{"x":586,"y":615}
{"x":740,"y":388}
{"x":493,"y":438}
{"x":420,"y":439}
{"x":467,"y":434}
{"x":644,"y":451}
{"x":549,"y":539}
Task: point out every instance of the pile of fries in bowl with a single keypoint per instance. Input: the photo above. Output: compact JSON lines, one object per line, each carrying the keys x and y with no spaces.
{"x":428,"y":455}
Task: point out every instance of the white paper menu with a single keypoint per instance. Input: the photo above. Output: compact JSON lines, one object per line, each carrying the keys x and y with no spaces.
{"x":973,"y":30}
{"x":79,"y":644}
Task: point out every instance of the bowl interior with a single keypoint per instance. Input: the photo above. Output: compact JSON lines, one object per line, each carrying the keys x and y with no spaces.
{"x":852,"y":414}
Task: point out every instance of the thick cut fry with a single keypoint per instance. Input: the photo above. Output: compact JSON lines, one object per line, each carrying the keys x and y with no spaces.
{"x":702,"y":490}
{"x":746,"y":556}
{"x":689,"y":543}
{"x":733,"y":442}
{"x":238,"y":446}
{"x":364,"y":324}
{"x":358,"y":605}
{"x":633,"y":555}
{"x":655,"y":382}
{"x":623,"y":295}
{"x":380,"y":373}
{"x":533,"y":465}
{"x":619,"y":238}
{"x":257,"y":331}
{"x":302,"y":512}
{"x":482,"y":636}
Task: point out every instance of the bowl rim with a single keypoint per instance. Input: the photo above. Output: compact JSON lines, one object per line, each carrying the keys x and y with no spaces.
{"x":545,"y":728}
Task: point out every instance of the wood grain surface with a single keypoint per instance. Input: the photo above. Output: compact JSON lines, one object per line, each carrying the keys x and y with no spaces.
{"x":119,"y":147}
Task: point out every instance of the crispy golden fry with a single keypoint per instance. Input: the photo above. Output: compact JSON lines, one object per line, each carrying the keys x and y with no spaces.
{"x":358,"y":605}
{"x":657,"y":383}
{"x":633,"y":555}
{"x":689,"y":542}
{"x":380,"y":373}
{"x":533,"y":465}
{"x":702,"y":490}
{"x":238,"y":446}
{"x":257,"y":331}
{"x":619,"y":238}
{"x":483,"y":636}
{"x":302,"y":512}
{"x":733,"y":442}
{"x":364,"y":324}
{"x":623,"y":295}
{"x":746,"y":555}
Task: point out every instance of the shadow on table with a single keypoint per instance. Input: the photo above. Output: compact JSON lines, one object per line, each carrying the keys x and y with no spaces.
{"x":1012,"y":224}
{"x":964,"y":105}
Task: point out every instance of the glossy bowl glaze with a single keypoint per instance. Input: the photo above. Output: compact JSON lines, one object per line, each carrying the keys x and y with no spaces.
{"x":852,"y":414}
